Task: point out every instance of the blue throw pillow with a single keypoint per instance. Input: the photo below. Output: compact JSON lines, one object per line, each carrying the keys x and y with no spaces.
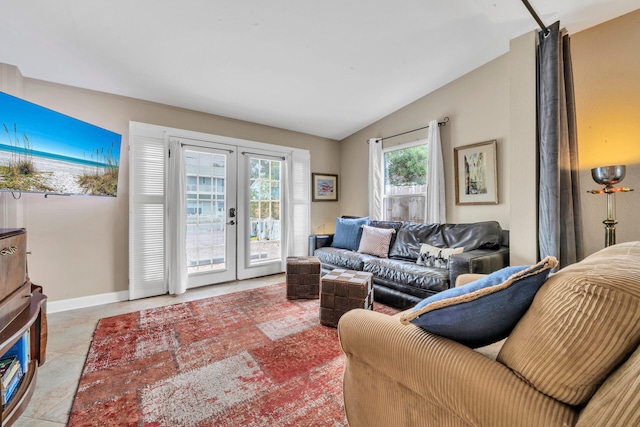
{"x":348,"y":233}
{"x":485,"y":311}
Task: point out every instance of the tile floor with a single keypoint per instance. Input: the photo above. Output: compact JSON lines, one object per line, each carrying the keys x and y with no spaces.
{"x":70,"y":335}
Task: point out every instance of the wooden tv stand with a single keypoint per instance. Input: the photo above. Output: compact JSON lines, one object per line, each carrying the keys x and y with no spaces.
{"x":22,"y":312}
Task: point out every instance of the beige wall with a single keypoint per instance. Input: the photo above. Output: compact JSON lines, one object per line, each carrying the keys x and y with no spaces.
{"x":606,"y":69}
{"x":477,"y":105}
{"x":497,"y":101}
{"x":79,"y":244}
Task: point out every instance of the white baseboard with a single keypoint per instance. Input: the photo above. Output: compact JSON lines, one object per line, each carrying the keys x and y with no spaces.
{"x":88,"y":301}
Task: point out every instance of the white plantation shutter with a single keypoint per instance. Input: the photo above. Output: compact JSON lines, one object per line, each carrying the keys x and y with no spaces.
{"x":298,"y":203}
{"x":148,"y":150}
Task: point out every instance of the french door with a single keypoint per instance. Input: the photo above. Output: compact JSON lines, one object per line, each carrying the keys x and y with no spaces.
{"x":233,"y":213}
{"x":243,"y":205}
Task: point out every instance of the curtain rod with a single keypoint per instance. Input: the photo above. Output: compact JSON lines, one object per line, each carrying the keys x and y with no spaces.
{"x":244,"y":153}
{"x":442,"y":123}
{"x":535,"y":16}
{"x":184,"y":144}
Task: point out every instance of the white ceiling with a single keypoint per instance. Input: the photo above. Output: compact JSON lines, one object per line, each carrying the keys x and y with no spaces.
{"x":327,"y":68}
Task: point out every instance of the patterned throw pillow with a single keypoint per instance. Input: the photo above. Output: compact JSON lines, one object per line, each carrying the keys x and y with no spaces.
{"x":430,"y":256}
{"x":375,"y":241}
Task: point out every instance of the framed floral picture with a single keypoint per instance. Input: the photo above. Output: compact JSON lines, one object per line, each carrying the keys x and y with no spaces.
{"x":476,"y":174}
{"x":324,"y":187}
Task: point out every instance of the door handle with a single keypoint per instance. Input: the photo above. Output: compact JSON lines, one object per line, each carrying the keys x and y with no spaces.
{"x":232,"y":222}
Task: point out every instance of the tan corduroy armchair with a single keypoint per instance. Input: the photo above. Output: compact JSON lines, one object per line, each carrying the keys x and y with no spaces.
{"x":572,"y":360}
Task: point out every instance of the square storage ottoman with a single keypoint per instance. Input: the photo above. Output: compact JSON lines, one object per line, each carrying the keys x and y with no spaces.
{"x":343,"y":290}
{"x":303,"y":277}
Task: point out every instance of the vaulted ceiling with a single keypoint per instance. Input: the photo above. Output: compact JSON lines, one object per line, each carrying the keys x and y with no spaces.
{"x":327,"y":68}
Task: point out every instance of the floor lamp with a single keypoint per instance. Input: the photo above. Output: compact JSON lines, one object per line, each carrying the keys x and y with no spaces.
{"x":608,"y":176}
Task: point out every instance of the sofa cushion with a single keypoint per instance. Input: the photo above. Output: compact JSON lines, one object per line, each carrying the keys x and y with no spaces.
{"x":478,"y":235}
{"x":409,"y":239}
{"x":617,"y":398}
{"x":342,"y":258}
{"x":485,"y":311}
{"x":431,"y":256}
{"x":408,"y":273}
{"x":375,"y":241}
{"x":583,"y":323}
{"x":348,"y":233}
{"x":411,"y":236}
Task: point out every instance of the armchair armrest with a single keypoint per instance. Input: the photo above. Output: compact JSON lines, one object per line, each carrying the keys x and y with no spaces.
{"x":467,"y":278}
{"x":477,"y":261}
{"x":402,"y":375}
{"x":319,"y":241}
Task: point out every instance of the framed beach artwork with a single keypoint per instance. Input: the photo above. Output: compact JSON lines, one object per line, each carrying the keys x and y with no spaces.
{"x":476,"y":174}
{"x":43,"y":151}
{"x":324,"y":187}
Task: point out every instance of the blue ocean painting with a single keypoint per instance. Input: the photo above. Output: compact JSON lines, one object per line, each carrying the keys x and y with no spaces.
{"x":42,"y":150}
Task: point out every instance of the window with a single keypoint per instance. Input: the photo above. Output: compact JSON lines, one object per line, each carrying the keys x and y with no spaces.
{"x":405,"y":182}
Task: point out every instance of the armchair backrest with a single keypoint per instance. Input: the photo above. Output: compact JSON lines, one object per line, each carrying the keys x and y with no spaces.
{"x":582,"y":325}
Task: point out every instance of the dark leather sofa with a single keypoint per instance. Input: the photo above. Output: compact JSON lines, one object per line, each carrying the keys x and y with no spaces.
{"x":398,"y":280}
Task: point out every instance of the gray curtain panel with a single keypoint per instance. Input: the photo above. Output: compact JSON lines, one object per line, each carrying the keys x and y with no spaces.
{"x":559,"y":214}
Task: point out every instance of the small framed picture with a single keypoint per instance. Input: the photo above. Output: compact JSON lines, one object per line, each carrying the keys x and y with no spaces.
{"x":476,"y":174}
{"x":324,"y":187}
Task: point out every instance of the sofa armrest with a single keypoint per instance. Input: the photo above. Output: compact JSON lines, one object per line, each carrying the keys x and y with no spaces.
{"x":477,"y":261}
{"x":319,"y":241}
{"x":402,"y":375}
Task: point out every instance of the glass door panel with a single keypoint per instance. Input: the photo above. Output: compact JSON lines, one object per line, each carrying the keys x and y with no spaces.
{"x":260,"y":238}
{"x":264,"y":211}
{"x":210,"y":181}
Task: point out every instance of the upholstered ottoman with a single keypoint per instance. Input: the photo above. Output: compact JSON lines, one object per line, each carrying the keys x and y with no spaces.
{"x":303,"y":277}
{"x":343,"y":290}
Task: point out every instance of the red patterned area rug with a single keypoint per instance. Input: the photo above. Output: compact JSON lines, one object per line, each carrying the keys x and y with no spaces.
{"x":250,"y":358}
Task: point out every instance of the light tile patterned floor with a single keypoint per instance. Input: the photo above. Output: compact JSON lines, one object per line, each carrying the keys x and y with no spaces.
{"x":70,"y":335}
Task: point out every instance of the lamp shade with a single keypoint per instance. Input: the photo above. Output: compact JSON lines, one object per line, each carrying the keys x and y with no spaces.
{"x":608,"y":175}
